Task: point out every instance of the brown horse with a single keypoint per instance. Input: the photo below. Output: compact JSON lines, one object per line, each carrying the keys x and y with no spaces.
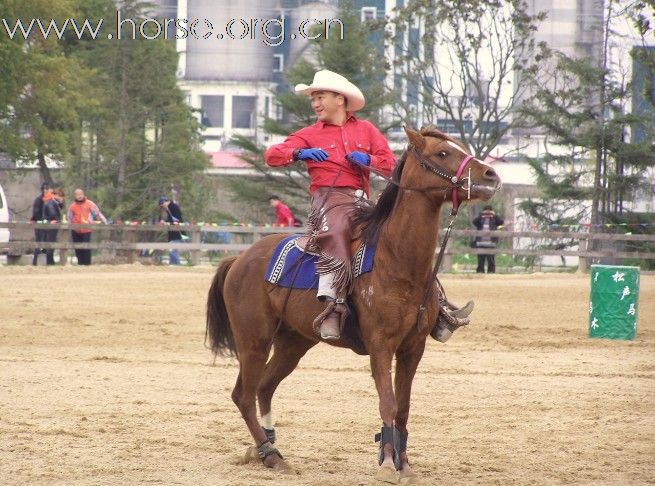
{"x":247,"y":316}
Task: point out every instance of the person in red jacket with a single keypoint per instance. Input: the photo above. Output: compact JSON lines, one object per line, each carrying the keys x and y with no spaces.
{"x":83,"y":211}
{"x":334,"y":149}
{"x":283,"y":215}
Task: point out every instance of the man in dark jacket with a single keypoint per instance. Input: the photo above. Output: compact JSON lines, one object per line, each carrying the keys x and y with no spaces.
{"x":52,"y":214}
{"x":487,"y":220}
{"x":37,"y":215}
{"x":172,"y":214}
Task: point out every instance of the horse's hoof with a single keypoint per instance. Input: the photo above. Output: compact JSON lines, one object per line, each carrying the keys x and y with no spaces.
{"x":410,"y":480}
{"x":251,"y":455}
{"x":387,"y":474}
{"x":283,"y":467}
{"x":273,"y":461}
{"x":276,"y":463}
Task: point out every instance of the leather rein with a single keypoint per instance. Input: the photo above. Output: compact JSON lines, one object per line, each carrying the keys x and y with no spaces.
{"x":456,"y":182}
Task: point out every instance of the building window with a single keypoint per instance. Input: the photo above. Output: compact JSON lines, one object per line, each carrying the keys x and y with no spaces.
{"x":212,"y":110}
{"x":369,"y":13}
{"x":278,"y":112}
{"x":243,"y":111}
{"x":278,"y":63}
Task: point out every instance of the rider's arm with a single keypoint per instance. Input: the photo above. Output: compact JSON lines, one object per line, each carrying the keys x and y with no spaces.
{"x":382,"y":157}
{"x":281,"y":154}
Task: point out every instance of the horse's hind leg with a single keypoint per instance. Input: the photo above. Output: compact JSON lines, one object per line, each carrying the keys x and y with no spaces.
{"x":288,"y":348}
{"x":252,"y":362}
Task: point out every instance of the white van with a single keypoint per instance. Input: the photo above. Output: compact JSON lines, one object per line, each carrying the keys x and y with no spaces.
{"x":4,"y":218}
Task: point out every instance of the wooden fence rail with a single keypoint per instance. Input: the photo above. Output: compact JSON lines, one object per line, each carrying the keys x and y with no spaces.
{"x":133,"y":238}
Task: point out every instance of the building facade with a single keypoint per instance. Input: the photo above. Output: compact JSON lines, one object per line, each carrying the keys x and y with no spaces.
{"x":232,"y":55}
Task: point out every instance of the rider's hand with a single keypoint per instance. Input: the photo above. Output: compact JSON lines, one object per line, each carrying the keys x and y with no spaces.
{"x":359,"y":158}
{"x":315,"y":154}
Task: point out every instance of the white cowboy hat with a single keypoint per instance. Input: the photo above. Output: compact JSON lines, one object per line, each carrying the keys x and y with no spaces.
{"x":328,"y":81}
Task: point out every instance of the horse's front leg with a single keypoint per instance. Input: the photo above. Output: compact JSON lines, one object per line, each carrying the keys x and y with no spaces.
{"x":381,"y":369}
{"x":407,"y":360}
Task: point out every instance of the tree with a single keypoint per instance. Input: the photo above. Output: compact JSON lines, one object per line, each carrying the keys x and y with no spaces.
{"x":591,"y":169}
{"x":355,"y":58}
{"x":41,"y":88}
{"x":455,"y":63}
{"x":109,"y":111}
{"x":139,"y":139}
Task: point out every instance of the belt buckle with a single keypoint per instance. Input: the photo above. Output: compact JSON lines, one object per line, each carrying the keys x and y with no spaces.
{"x":359,"y":193}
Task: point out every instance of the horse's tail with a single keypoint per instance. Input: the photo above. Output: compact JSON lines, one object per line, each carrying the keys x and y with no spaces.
{"x":221,"y":339}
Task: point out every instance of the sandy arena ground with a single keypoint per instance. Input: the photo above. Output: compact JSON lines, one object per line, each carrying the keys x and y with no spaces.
{"x":105,"y":380}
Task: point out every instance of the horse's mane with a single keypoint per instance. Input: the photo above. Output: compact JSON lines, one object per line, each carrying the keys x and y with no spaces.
{"x":369,"y":218}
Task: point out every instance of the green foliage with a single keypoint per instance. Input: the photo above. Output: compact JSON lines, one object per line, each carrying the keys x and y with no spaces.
{"x":636,"y":224}
{"x":590,"y":164}
{"x":41,"y":88}
{"x":109,"y":110}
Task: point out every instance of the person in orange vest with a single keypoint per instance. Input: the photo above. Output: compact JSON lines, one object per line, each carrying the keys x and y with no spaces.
{"x":83,"y":211}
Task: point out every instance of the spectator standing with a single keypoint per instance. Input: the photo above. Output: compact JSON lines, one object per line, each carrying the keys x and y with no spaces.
{"x":37,"y":215}
{"x":83,"y":211}
{"x":52,"y":213}
{"x":487,"y":220}
{"x":172,"y":215}
{"x":283,"y":215}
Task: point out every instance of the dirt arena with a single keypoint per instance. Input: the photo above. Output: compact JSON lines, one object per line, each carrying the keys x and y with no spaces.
{"x":105,"y":380}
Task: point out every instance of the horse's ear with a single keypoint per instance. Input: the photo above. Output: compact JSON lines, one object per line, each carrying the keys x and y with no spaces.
{"x":415,"y":138}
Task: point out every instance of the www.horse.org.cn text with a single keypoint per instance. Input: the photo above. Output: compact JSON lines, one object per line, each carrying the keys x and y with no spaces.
{"x":271,"y":32}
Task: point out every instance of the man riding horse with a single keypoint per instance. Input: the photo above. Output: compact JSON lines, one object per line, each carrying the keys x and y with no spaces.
{"x":337,"y":150}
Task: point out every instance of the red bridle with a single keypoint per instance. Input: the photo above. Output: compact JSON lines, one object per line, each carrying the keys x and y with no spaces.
{"x":457,"y":178}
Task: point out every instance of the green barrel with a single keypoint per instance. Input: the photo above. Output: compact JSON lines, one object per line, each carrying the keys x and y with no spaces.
{"x":613,"y":302}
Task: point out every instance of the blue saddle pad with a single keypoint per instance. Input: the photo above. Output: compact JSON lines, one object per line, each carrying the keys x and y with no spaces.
{"x":289,"y":266}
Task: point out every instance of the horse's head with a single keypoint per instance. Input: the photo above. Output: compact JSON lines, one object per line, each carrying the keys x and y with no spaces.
{"x":436,"y":162}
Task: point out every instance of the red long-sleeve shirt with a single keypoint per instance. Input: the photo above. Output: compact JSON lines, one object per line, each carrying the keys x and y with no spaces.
{"x":283,"y":215}
{"x":336,"y":171}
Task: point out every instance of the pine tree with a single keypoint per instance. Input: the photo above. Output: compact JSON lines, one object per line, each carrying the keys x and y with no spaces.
{"x":139,"y":139}
{"x":591,"y":169}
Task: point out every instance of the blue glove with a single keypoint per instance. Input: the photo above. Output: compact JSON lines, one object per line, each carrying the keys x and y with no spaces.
{"x":359,"y":158}
{"x":315,"y":154}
